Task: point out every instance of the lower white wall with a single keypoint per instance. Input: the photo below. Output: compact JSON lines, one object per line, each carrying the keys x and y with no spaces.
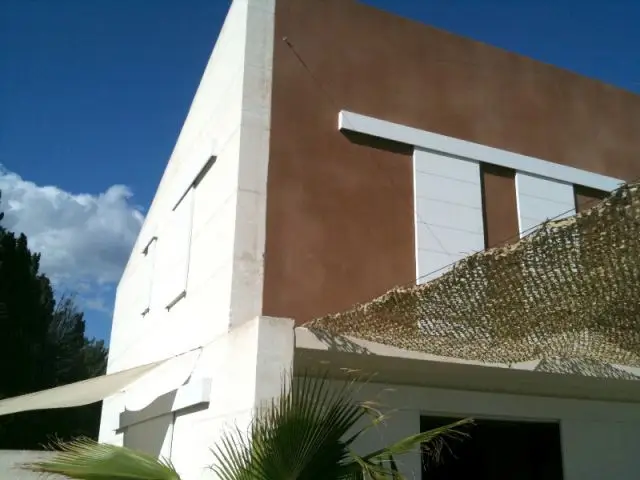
{"x":153,"y":436}
{"x":597,"y":450}
{"x":245,"y":366}
{"x":11,"y":459}
{"x":599,"y":439}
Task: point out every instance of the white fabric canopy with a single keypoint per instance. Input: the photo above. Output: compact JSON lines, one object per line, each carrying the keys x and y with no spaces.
{"x":79,"y":393}
{"x":162,"y":380}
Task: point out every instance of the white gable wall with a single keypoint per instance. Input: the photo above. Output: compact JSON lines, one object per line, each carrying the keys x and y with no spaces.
{"x":230,"y":119}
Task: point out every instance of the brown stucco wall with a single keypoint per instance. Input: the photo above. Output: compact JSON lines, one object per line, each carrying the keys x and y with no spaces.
{"x":587,"y":197}
{"x":500,"y":211}
{"x":340,"y":214}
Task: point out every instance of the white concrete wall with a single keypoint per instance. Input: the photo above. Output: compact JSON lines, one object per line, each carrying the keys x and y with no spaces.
{"x":247,"y":368}
{"x":153,"y":436}
{"x":540,"y":199}
{"x":11,"y":459}
{"x":599,"y":439}
{"x":595,"y":449}
{"x":448,"y":211}
{"x":229,"y":118}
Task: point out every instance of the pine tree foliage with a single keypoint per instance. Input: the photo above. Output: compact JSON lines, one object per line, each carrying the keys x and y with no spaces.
{"x":42,"y":345}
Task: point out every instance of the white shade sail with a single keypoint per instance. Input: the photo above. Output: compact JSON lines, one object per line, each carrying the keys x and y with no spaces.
{"x":79,"y":393}
{"x":163,"y":379}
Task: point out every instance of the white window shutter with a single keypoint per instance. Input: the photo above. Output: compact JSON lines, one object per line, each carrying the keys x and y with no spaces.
{"x":173,"y":255}
{"x":146,"y":277}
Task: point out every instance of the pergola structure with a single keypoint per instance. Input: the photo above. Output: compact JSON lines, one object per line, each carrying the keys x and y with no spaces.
{"x":567,"y":292}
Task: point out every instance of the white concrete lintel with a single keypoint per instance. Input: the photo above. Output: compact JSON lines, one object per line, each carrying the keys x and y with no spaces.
{"x":456,"y":147}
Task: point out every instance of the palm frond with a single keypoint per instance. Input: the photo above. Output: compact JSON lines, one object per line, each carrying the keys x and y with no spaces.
{"x":382,"y":464}
{"x":303,"y":435}
{"x":297,"y":435}
{"x":377,"y":469}
{"x":431,"y":441}
{"x":88,"y":460}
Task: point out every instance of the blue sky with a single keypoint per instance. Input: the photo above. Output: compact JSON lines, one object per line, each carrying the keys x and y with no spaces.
{"x":93,"y":95}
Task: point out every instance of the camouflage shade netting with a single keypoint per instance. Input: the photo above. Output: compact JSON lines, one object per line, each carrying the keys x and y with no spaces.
{"x":568,"y":290}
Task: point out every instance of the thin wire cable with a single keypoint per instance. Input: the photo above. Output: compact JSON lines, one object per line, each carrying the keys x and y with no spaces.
{"x":335,"y":105}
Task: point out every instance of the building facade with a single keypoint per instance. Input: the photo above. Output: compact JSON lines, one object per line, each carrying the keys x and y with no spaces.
{"x":332,"y":152}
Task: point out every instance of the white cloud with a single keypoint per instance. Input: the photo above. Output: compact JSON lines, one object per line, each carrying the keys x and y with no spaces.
{"x":84,"y":239}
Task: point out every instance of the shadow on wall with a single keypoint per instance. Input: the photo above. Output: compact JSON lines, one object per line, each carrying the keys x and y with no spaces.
{"x":339,"y":343}
{"x":581,"y":367}
{"x":378,"y":143}
{"x":148,"y":430}
{"x":586,"y":368}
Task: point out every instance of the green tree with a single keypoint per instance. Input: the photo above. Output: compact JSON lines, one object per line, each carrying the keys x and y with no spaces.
{"x":307,"y":433}
{"x":42,"y":345}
